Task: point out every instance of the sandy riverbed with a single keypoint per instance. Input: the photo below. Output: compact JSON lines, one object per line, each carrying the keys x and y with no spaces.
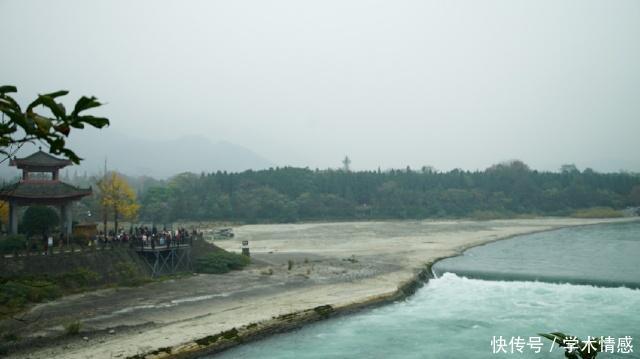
{"x":337,"y":264}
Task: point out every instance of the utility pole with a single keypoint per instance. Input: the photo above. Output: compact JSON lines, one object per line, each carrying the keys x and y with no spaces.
{"x":104,"y":207}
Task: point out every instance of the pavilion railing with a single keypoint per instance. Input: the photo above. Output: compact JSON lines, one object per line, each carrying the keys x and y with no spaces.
{"x":37,"y":248}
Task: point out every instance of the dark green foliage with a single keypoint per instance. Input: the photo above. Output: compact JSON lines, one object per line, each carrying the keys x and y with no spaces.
{"x":18,"y":292}
{"x":324,"y":310}
{"x":264,"y":203}
{"x":288,"y":194}
{"x":128,"y":275}
{"x":12,"y":244}
{"x":634,"y":196}
{"x":79,"y":278}
{"x":15,"y":294}
{"x":231,"y":334}
{"x":28,"y":125}
{"x":485,"y":215}
{"x":597,"y":212}
{"x":39,"y":220}
{"x":72,"y":328}
{"x":155,"y":205}
{"x":220,"y":261}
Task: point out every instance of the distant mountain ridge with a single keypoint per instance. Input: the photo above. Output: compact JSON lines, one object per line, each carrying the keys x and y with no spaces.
{"x":156,"y":158}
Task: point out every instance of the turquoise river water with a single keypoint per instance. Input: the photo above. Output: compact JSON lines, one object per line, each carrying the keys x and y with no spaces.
{"x":583,"y":281}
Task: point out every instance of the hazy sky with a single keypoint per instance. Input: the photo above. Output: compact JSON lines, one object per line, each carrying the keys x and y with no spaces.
{"x":390,"y":83}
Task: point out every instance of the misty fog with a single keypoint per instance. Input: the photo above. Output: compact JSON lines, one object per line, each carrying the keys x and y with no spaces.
{"x":391,"y":84}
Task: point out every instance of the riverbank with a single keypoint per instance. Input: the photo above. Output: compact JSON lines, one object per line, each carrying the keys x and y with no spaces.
{"x":301,"y":272}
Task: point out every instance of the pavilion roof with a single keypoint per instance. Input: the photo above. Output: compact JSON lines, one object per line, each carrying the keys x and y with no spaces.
{"x":42,"y":190}
{"x":39,"y":159}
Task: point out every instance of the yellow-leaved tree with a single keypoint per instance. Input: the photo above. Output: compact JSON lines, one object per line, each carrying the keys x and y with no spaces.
{"x":118,"y":198}
{"x":4,"y":213}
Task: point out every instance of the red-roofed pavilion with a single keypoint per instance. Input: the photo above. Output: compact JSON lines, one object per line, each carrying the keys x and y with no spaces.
{"x":40,"y":184}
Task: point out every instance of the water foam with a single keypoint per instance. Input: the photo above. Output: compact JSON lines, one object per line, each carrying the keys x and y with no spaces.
{"x":456,"y":317}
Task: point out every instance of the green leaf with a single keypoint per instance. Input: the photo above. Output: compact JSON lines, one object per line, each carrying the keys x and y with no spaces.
{"x":7,"y":89}
{"x":56,"y":94}
{"x":85,"y":103}
{"x":35,"y":103}
{"x":56,"y":145}
{"x":35,"y":127}
{"x":29,"y":123}
{"x":9,"y":103}
{"x":98,"y":122}
{"x":57,"y":111}
{"x":41,"y":98}
{"x":16,"y":117}
{"x":71,"y":155}
{"x":62,"y":109}
{"x":43,"y":123}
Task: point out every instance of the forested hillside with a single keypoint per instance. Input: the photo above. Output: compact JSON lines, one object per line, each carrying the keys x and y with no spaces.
{"x":291,"y":194}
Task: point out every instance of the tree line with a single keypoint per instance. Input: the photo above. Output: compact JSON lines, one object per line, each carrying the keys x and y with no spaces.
{"x":291,"y":194}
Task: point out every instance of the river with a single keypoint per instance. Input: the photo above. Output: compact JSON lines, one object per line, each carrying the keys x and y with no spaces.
{"x":582,"y":281}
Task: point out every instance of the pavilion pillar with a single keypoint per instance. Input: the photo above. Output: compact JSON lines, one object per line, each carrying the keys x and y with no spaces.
{"x":69,"y":224}
{"x":13,"y":218}
{"x":65,"y":219}
{"x":63,"y":222}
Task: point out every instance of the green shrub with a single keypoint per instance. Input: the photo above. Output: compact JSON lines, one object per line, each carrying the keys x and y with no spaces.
{"x":127,"y":275}
{"x":220,"y":261}
{"x":13,"y":243}
{"x":597,"y":212}
{"x":72,"y":328}
{"x":16,"y":294}
{"x":39,"y":219}
{"x":78,"y":278}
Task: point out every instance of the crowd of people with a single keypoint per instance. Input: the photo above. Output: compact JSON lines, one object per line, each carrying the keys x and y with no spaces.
{"x":148,"y":238}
